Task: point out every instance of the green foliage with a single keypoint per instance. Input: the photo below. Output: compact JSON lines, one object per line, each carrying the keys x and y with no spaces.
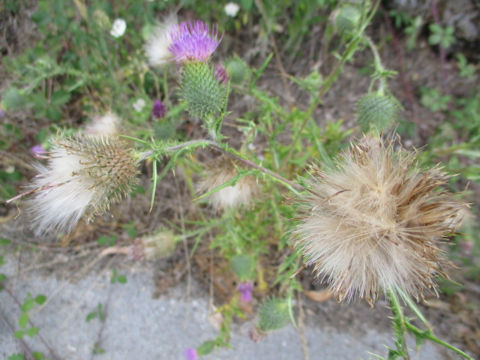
{"x":465,"y":69}
{"x":413,"y":31}
{"x":242,"y":266}
{"x":24,"y":318}
{"x":98,"y":313}
{"x":443,"y":37}
{"x":117,"y":278}
{"x":434,"y":100}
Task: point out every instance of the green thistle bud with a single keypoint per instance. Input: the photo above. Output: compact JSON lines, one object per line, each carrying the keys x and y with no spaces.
{"x":273,"y":314}
{"x":347,"y":19}
{"x":204,"y":94}
{"x":237,"y":69}
{"x":242,"y":266}
{"x":377,"y":111}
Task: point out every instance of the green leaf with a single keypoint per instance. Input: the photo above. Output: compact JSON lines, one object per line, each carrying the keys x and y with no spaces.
{"x":19,"y":334}
{"x":38,"y":356}
{"x":53,"y":113}
{"x":247,"y":4}
{"x":107,"y":240}
{"x":122,"y":279}
{"x":60,"y":97}
{"x":28,"y":305}
{"x":206,"y":348}
{"x":91,"y":316}
{"x":98,"y":350}
{"x":32,"y":331}
{"x":4,"y":241}
{"x":13,"y":99}
{"x":16,"y":357}
{"x":41,"y":18}
{"x":101,"y":314}
{"x":40,"y":299}
{"x":23,"y":320}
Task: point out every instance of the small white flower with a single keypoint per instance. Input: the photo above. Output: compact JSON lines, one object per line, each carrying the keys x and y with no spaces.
{"x":139,"y":105}
{"x":118,"y":28}
{"x":159,"y":41}
{"x":103,"y":126}
{"x":231,"y":9}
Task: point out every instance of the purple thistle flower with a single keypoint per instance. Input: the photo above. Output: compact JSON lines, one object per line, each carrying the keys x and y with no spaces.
{"x":193,"y":41}
{"x":37,"y":151}
{"x":158,"y":110}
{"x":221,"y":74}
{"x":191,"y":354}
{"x":245,"y":289}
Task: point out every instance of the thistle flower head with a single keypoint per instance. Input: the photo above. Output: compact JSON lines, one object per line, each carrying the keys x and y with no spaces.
{"x":38,"y":151}
{"x":83,"y":176}
{"x":218,"y":173}
{"x":193,"y":41}
{"x":158,"y":109}
{"x":374,"y":223}
{"x":157,"y":46}
{"x":245,"y":289}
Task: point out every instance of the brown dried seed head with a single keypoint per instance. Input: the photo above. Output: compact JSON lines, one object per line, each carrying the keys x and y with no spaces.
{"x":218,"y":172}
{"x":375,"y":222}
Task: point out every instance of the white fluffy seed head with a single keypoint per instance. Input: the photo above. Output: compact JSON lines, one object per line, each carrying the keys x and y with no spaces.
{"x":82,"y":177}
{"x":159,"y":41}
{"x":106,"y":125}
{"x":374,"y":222}
{"x":219,"y":172}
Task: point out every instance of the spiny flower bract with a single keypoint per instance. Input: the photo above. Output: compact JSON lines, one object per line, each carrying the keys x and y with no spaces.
{"x":199,"y":88}
{"x":193,"y":41}
{"x":375,"y":221}
{"x":83,"y":176}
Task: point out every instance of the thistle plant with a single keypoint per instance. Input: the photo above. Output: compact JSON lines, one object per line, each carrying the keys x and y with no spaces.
{"x":371,"y":221}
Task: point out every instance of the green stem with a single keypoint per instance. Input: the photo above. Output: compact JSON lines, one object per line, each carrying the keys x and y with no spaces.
{"x":398,"y":324}
{"x":379,"y":68}
{"x":429,"y":336}
{"x":292,"y":186}
{"x":413,"y":307}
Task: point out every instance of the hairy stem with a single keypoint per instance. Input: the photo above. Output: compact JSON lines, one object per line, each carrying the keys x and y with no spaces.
{"x":398,"y":325}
